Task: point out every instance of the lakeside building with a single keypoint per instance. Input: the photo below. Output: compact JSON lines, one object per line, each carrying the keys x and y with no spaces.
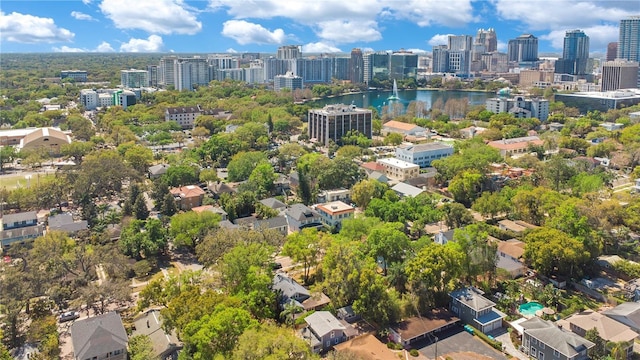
{"x":520,"y":107}
{"x":423,"y":154}
{"x":332,"y":122}
{"x":601,"y":101}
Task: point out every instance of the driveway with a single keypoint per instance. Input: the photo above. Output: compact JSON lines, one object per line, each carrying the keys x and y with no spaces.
{"x":456,"y":340}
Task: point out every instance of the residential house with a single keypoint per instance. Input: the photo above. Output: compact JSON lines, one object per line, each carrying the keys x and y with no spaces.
{"x":214,"y":209}
{"x":347,"y":314}
{"x":609,"y":126}
{"x":274,"y":204}
{"x":515,"y":226}
{"x":372,"y":166}
{"x":543,"y":339}
{"x":627,"y":313}
{"x":421,"y":328}
{"x":607,"y":262}
{"x":278,"y":223}
{"x":289,"y":290}
{"x":99,"y":337}
{"x":187,"y":197}
{"x":316,"y":301}
{"x":323,"y":331}
{"x":334,"y":213}
{"x":299,"y":216}
{"x":474,"y":309}
{"x":157,"y":171}
{"x":443,"y":237}
{"x":423,"y":154}
{"x":399,"y":170}
{"x":334,"y":195}
{"x":64,"y":222}
{"x":220,"y":188}
{"x":426,"y":178}
{"x":509,"y":255}
{"x":406,"y":190}
{"x":471,"y":131}
{"x":515,"y":146}
{"x":166,"y":345}
{"x":19,"y":227}
{"x":403,"y":128}
{"x":608,"y":329}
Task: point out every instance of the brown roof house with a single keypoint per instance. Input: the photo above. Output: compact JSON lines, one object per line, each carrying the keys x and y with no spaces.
{"x":509,"y":257}
{"x":515,"y":146}
{"x":419,"y":328}
{"x":187,"y":197}
{"x":608,"y":329}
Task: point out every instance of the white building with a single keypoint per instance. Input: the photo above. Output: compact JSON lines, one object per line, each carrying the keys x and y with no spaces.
{"x":399,"y":170}
{"x":520,"y":107}
{"x":134,"y":78}
{"x":89,"y":99}
{"x":105,"y":100}
{"x":423,"y":154}
{"x":287,"y":81}
{"x":334,"y":212}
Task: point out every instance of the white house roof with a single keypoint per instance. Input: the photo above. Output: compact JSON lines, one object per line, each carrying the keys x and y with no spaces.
{"x":323,"y":322}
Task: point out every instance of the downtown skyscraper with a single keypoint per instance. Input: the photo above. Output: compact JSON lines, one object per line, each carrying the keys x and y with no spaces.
{"x":629,"y":40}
{"x":575,"y":54}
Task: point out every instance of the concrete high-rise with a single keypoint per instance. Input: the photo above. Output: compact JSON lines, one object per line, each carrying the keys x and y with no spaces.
{"x":460,"y":42}
{"x":612,"y":51}
{"x":190,"y":72}
{"x":334,"y":121}
{"x":524,"y":48}
{"x":289,"y":52}
{"x":356,"y":66}
{"x":575,"y":54}
{"x":440,"y":61}
{"x":134,"y":78}
{"x":403,"y":64}
{"x":629,"y":40}
{"x":619,"y":74}
{"x":488,"y":39}
{"x":287,"y":81}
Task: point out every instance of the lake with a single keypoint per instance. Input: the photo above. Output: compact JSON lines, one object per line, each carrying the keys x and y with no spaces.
{"x":378,"y":99}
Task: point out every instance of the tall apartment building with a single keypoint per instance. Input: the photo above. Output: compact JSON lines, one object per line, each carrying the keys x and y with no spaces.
{"x":460,"y":42}
{"x":356,"y":67}
{"x":314,"y":70}
{"x":191,"y":72}
{"x":619,"y":74}
{"x":287,"y":81}
{"x":75,"y":75}
{"x":124,"y":98}
{"x":575,"y":54}
{"x":495,"y":62}
{"x":520,"y":107}
{"x":289,"y":52}
{"x":134,"y":78}
{"x":488,"y":39}
{"x":629,"y":40}
{"x":376,"y":66}
{"x":460,"y":62}
{"x":524,"y":48}
{"x":440,"y":59}
{"x":154,"y":75}
{"x":89,"y":99}
{"x":166,"y":71}
{"x":274,"y":67}
{"x":612,"y":51}
{"x":332,"y":122}
{"x":342,"y":69}
{"x":403,"y":64}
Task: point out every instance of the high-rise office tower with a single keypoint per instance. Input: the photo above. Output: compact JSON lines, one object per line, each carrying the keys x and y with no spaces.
{"x":356,"y":67}
{"x":190,"y":72}
{"x":523,"y":48}
{"x":378,"y":65}
{"x":629,"y":40}
{"x":460,"y":42}
{"x":575,"y":54}
{"x":289,"y":52}
{"x":612,"y":51}
{"x":154,"y":75}
{"x":619,"y":74}
{"x":403,"y":64}
{"x":342,"y":69}
{"x":487,"y":38}
{"x":166,"y":70}
{"x":440,"y":60}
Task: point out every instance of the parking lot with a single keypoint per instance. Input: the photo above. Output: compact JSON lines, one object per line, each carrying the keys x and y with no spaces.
{"x":456,"y":340}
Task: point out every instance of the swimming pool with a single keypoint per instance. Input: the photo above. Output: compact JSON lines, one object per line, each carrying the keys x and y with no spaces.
{"x":530,"y":308}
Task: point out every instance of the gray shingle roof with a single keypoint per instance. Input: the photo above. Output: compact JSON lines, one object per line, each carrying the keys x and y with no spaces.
{"x":273,"y":203}
{"x":98,"y":335}
{"x":289,"y":287}
{"x":565,"y":342}
{"x":18,"y":217}
{"x":473,"y":298}
{"x":150,"y":324}
{"x":301,"y":212}
{"x":323,"y":322}
{"x":407,"y":190}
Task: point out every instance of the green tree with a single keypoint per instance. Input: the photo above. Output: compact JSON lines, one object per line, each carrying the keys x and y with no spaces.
{"x":180,"y":175}
{"x":375,"y":301}
{"x":491,"y":204}
{"x":393,"y":139}
{"x":140,"y":208}
{"x":141,"y":348}
{"x":263,"y":177}
{"x":558,"y":172}
{"x":304,"y":247}
{"x":365,"y":190}
{"x":465,"y":186}
{"x":598,"y":352}
{"x":169,"y":206}
{"x":189,"y":228}
{"x":456,"y":215}
{"x":388,"y":243}
{"x":139,"y":158}
{"x":271,"y":342}
{"x":7,"y":155}
{"x":242,"y":164}
{"x":552,"y":251}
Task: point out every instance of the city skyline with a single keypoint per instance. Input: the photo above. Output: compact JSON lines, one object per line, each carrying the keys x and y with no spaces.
{"x":217,"y":26}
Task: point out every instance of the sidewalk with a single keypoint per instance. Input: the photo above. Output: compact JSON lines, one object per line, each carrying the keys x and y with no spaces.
{"x":505,"y":339}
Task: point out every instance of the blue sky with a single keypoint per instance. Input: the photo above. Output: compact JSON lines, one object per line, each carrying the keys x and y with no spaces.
{"x":215,"y":26}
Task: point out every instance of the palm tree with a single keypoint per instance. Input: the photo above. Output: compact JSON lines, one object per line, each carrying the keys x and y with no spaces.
{"x":618,"y":350}
{"x":289,"y":312}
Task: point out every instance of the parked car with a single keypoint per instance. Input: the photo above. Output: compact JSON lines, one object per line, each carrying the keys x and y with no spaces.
{"x":68,"y":316}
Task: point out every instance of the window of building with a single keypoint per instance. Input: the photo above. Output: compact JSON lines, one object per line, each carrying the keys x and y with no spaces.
{"x":540,"y":355}
{"x":556,"y":353}
{"x":541,"y":345}
{"x":533,"y":353}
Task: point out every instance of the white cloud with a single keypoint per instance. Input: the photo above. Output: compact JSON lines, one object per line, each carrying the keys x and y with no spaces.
{"x":151,"y":44}
{"x":29,"y":29}
{"x":502,"y":46}
{"x":86,"y":2}
{"x":104,"y":47}
{"x":245,"y":32}
{"x":599,"y":36}
{"x":439,"y":39}
{"x":68,"y":49}
{"x":152,"y":16}
{"x":367,"y":50}
{"x":348,"y":31}
{"x":81,"y":16}
{"x":320,"y":47}
{"x":566,"y":14}
{"x":418,"y":51}
{"x":340,"y":21}
{"x":231,"y":51}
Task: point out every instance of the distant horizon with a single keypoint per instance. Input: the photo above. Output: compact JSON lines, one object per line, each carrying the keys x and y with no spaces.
{"x":327,"y":26}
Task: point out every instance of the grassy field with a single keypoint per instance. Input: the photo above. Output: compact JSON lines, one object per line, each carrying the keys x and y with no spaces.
{"x":12,"y":181}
